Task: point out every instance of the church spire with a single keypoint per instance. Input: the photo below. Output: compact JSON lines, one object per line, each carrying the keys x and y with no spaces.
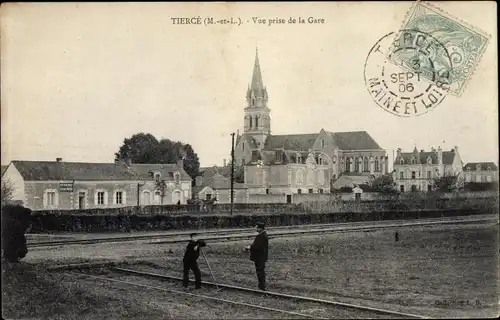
{"x":257,"y":84}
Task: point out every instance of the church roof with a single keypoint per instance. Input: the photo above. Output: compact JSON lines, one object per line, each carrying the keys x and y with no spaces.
{"x":354,"y":140}
{"x":298,"y":142}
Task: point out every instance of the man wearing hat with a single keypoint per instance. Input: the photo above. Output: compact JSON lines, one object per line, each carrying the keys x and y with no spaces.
{"x":258,"y":254}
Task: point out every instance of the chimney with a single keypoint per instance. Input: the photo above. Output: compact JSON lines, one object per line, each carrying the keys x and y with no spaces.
{"x":58,"y":159}
{"x":225,"y":163}
{"x":398,"y":153}
{"x":59,"y":169}
{"x":455,"y":149}
{"x":199,"y":181}
{"x":180,"y":163}
{"x":440,"y":155}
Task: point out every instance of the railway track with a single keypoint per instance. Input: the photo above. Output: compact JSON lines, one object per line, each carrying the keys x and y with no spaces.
{"x":273,"y":232}
{"x":285,"y":304}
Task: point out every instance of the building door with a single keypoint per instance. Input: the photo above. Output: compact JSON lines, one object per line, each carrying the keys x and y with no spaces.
{"x":146,"y":198}
{"x":81,"y":200}
{"x":288,"y":198}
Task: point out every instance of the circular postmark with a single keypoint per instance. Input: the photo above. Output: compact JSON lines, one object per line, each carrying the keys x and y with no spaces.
{"x":408,"y":73}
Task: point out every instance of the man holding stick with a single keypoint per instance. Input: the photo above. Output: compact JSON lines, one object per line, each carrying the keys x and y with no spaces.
{"x":190,"y":261}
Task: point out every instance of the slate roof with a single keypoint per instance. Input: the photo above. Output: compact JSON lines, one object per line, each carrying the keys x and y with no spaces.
{"x":483,"y":166}
{"x":3,"y":170}
{"x":52,"y":170}
{"x":208,"y":172}
{"x":421,"y":157}
{"x":354,"y":140}
{"x":298,"y":142}
{"x":144,"y":171}
{"x":218,"y":181}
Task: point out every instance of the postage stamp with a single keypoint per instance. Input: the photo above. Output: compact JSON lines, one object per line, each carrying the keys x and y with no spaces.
{"x":465,"y":44}
{"x":410,"y":90}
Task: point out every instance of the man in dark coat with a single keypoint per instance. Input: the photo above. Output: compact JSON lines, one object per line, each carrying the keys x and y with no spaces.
{"x":190,"y":256}
{"x":258,"y":254}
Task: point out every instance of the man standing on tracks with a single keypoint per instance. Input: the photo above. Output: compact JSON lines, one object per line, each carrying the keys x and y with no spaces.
{"x":190,"y":256}
{"x":258,"y":254}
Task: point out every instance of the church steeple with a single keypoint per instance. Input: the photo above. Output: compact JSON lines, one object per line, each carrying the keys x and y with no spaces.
{"x":257,"y":119}
{"x":257,"y":90}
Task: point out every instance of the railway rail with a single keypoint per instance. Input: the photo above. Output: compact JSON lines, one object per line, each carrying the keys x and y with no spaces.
{"x":270,"y":298}
{"x":273,"y":232}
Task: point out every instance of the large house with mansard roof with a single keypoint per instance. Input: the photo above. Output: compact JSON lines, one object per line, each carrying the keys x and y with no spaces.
{"x":299,"y":163}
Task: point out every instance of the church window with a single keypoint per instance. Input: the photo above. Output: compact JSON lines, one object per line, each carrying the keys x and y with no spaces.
{"x":256,"y":122}
{"x":365,"y":165}
{"x":243,"y":146}
{"x":250,"y":119}
{"x":243,"y":161}
{"x":356,"y":165}
{"x":377,"y":165}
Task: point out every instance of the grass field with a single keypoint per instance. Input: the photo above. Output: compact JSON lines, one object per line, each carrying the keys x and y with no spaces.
{"x":435,"y":271}
{"x":438,"y":271}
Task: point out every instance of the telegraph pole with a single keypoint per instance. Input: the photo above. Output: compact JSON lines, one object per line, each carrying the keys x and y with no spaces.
{"x":232,"y":172}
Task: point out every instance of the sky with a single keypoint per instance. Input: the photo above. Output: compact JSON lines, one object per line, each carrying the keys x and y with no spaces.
{"x":77,"y":79}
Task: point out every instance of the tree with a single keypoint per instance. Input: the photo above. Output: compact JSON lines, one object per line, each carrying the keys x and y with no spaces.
{"x":145,"y":148}
{"x":7,"y":191}
{"x":384,"y":184}
{"x":448,"y":183}
{"x":239,"y":174}
{"x":162,"y":186}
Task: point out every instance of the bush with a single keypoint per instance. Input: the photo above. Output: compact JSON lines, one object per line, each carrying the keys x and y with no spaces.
{"x":15,"y":221}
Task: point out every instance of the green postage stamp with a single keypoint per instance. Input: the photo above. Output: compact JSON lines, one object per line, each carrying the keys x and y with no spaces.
{"x":428,"y":27}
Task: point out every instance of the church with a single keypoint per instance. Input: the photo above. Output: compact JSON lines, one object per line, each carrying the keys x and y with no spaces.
{"x":300,"y":163}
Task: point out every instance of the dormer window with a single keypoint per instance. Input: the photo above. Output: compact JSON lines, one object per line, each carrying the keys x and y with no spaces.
{"x":468,"y":168}
{"x":177,"y":177}
{"x":402,"y":161}
{"x":478,"y":167}
{"x":299,"y":158}
{"x":489,"y":168}
{"x":157,"y":176}
{"x":413,"y":161}
{"x":429,"y":160}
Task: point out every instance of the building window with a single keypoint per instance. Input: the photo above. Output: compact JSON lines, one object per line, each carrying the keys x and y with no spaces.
{"x":334,"y":176}
{"x":429,"y":174}
{"x":177,"y":177}
{"x":208,"y":196}
{"x":310,"y":190}
{"x":365,"y":165}
{"x":413,"y":175}
{"x":322,"y":143}
{"x":401,"y":175}
{"x":478,"y":167}
{"x":402,"y":188}
{"x":478,"y":178}
{"x":157,"y":176}
{"x":299,"y":191}
{"x":243,"y":146}
{"x":119,"y":197}
{"x":488,"y":178}
{"x":320,"y":190}
{"x":413,"y":161}
{"x":243,"y":161}
{"x":100,"y":197}
{"x":334,"y":159}
{"x":256,"y":122}
{"x":429,"y":160}
{"x":250,"y":119}
{"x":468,"y":168}
{"x":377,"y":165}
{"x":413,"y":188}
{"x":356,"y":165}
{"x":402,"y":161}
{"x":51,"y":198}
{"x":267,"y":191}
{"x":429,"y":187}
{"x":489,"y":168}
{"x":300,"y":177}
